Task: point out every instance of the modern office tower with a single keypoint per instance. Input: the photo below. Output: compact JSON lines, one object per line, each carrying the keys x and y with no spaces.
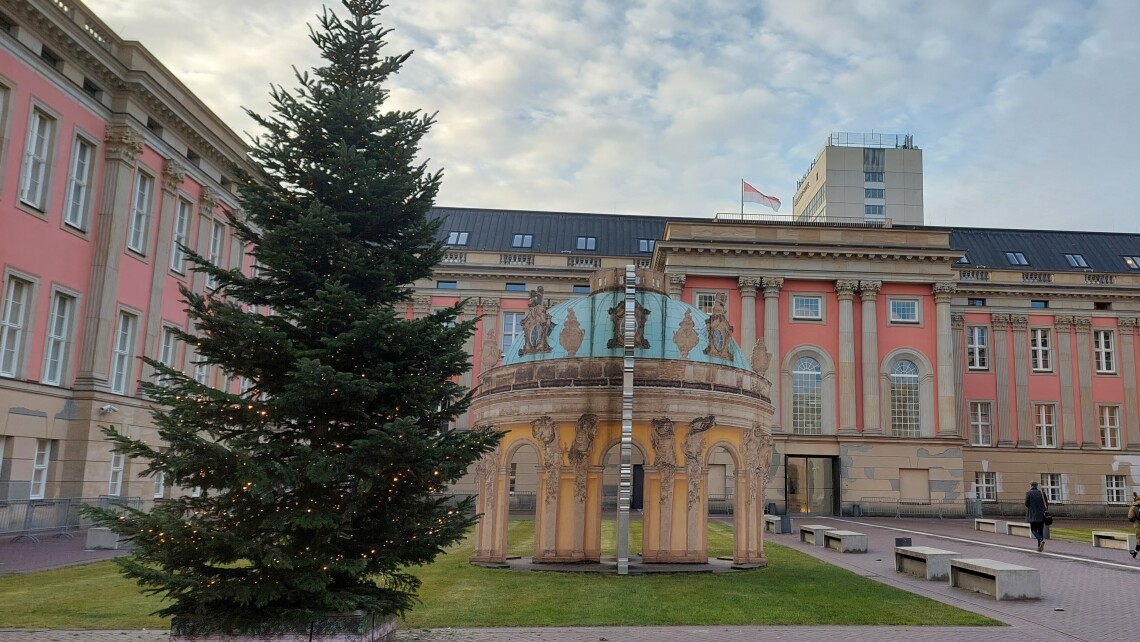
{"x":863,"y":177}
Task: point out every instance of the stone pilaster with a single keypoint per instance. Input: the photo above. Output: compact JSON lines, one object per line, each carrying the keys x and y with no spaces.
{"x":1063,"y":327}
{"x":173,"y":174}
{"x":1023,"y":409}
{"x":748,"y":286}
{"x":676,"y":285}
{"x":947,"y":408}
{"x":1090,"y":437}
{"x":1003,"y":418}
{"x":1130,"y":423}
{"x":869,"y":296}
{"x":772,"y":286}
{"x":421,"y":306}
{"x":957,"y":328}
{"x":490,"y":352}
{"x":845,"y":289}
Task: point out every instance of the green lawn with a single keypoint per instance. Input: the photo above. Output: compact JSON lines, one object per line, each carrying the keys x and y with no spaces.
{"x":794,"y":589}
{"x":1082,"y":534}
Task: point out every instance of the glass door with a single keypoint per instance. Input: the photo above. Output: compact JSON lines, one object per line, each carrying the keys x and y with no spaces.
{"x":810,"y":485}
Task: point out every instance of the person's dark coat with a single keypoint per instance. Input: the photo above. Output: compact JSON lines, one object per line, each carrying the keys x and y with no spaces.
{"x":1035,"y":505}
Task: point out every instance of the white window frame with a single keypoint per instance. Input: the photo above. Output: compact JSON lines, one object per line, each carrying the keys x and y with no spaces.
{"x":57,"y":346}
{"x":1116,"y":489}
{"x":115,"y":481}
{"x":985,"y":486}
{"x":168,"y":352}
{"x":586,"y":243}
{"x":981,"y":423}
{"x":141,"y":203}
{"x":807,"y":405}
{"x":1040,"y":350}
{"x":1045,"y":425}
{"x":894,"y":315}
{"x":122,"y":360}
{"x":183,"y":214}
{"x":1109,"y":424}
{"x":79,"y":184}
{"x":202,"y":373}
{"x":512,"y":328}
{"x":217,"y":241}
{"x":977,"y":347}
{"x":41,"y":467}
{"x":1052,"y":486}
{"x":905,"y":403}
{"x":1104,"y":352}
{"x":13,"y":325}
{"x":705,"y":300}
{"x":803,"y":313}
{"x":160,"y":484}
{"x":34,"y":174}
{"x":457,"y":238}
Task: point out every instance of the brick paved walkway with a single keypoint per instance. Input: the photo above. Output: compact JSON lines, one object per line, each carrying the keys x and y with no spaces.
{"x":1087,"y":594}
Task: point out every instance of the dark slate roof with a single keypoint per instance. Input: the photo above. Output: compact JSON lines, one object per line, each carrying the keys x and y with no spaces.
{"x":554,"y":232}
{"x":1046,"y":250}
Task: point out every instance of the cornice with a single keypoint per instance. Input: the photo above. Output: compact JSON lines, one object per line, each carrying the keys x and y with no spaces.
{"x":837,"y":252}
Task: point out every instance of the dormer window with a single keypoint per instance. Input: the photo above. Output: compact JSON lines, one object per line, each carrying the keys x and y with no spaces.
{"x":1076,"y":260}
{"x":457,"y":238}
{"x":589,"y":243}
{"x":1016,"y":258}
{"x":645,"y":245}
{"x":964,"y":260}
{"x":523,"y":240}
{"x":1133,"y":262}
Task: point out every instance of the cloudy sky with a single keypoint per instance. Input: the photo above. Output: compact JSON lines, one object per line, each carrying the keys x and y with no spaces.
{"x":1027,"y":111}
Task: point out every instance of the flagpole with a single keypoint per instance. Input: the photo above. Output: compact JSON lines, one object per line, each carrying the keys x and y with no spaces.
{"x":742,"y":199}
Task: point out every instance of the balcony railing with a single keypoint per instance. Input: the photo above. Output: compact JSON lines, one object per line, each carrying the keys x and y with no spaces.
{"x":454,"y":257}
{"x":1036,"y":277}
{"x":974,"y":275}
{"x":516,"y":259}
{"x":1100,"y":279}
{"x":591,"y":262}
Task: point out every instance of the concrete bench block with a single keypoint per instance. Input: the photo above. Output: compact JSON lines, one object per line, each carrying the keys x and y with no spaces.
{"x":774,"y":524}
{"x":100,"y":538}
{"x":1001,"y":580}
{"x":845,"y":541}
{"x":813,"y":533}
{"x":989,"y":525}
{"x":1114,"y":539}
{"x":924,"y":561}
{"x":1019,"y":529}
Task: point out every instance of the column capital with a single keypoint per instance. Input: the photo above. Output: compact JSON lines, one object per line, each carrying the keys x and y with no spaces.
{"x":957,"y":321}
{"x":845,"y":288}
{"x":1020,"y":322}
{"x":1063,"y":323}
{"x":1083,"y":324}
{"x":943,"y":291}
{"x":1000,"y":322}
{"x":173,"y":173}
{"x":749,"y":284}
{"x":421,"y":306}
{"x":122,"y":143}
{"x":1128,"y":325}
{"x":772,"y":285}
{"x":207,"y":201}
{"x":677,"y":279}
{"x":490,"y":306}
{"x":869,"y":290}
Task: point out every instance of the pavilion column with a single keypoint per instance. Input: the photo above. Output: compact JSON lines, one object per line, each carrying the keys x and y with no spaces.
{"x":957,"y":328}
{"x":947,"y":402}
{"x":1064,"y":329}
{"x":845,"y":289}
{"x":676,"y":285}
{"x":869,"y":296}
{"x":1002,"y":418}
{"x":772,"y":286}
{"x":1089,"y":428}
{"x":1130,"y":422}
{"x":748,"y":286}
{"x":1024,"y":412}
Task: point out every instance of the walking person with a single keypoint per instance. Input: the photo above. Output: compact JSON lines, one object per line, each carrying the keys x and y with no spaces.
{"x":1036,"y":506}
{"x":1134,"y":517}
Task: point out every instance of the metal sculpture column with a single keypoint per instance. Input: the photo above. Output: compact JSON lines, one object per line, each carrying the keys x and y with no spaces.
{"x":625,"y":485}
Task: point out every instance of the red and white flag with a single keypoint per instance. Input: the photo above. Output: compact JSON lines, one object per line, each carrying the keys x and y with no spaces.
{"x":750,"y":194}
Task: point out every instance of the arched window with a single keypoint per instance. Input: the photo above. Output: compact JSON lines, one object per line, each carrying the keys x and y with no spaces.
{"x":905,"y":406}
{"x":807,"y":397}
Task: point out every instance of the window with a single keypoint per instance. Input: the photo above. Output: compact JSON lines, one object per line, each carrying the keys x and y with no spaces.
{"x":202,"y":373}
{"x":121,"y":361}
{"x":873,"y":193}
{"x":1045,"y":425}
{"x":12,"y":326}
{"x":457,"y":238}
{"x":807,"y":307}
{"x":807,"y":397}
{"x":1016,"y":258}
{"x":707,"y":300}
{"x":1051,"y":487}
{"x":1115,"y":489}
{"x":581,"y":289}
{"x":985,"y":485}
{"x":873,"y":177}
{"x":977,"y":357}
{"x":981,"y":433}
{"x":905,"y":409}
{"x":58,"y":342}
{"x":1076,"y":260}
{"x":964,"y":259}
{"x":873,"y":210}
{"x":1038,"y":304}
{"x":516,"y":287}
{"x":217,"y":240}
{"x":646,"y":245}
{"x":33,"y":183}
{"x":1110,"y":427}
{"x":78,"y":184}
{"x":447,"y":285}
{"x":160,"y":484}
{"x":977,"y":303}
{"x":115,"y":483}
{"x":512,"y":327}
{"x":513,"y":477}
{"x":1104,"y":352}
{"x":167,"y":352}
{"x":50,"y":57}
{"x":140,"y":213}
{"x":904,"y":310}
{"x":1102,"y":305}
{"x":587,"y":243}
{"x":1133,"y":262}
{"x":181,"y":237}
{"x":523,"y":240}
{"x":40,"y":467}
{"x":1041,"y":356}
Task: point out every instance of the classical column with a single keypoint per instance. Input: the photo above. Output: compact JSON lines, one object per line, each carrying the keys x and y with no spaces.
{"x":1023,"y":410}
{"x":1064,"y":329}
{"x":748,"y":285}
{"x":172,"y":176}
{"x":947,"y":415}
{"x":1089,"y":427}
{"x":845,"y":289}
{"x":1002,"y":417}
{"x":1130,"y":421}
{"x":676,"y":285}
{"x":122,"y":147}
{"x":957,"y":327}
{"x":869,"y":295}
{"x":772,"y":287}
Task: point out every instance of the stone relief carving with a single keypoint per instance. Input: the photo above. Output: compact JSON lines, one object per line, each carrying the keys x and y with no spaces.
{"x":537,"y":325}
{"x":617,"y":318}
{"x":572,"y":334}
{"x":545,"y":431}
{"x":579,"y":453}
{"x":686,"y":338}
{"x":719,"y":329}
{"x":761,"y":358}
{"x":491,"y":354}
{"x":694,"y":449}
{"x":757,"y":458}
{"x":665,"y":458}
{"x":486,"y":475}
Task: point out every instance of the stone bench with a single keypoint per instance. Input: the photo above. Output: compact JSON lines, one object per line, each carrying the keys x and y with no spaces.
{"x":774,"y":524}
{"x":1019,"y":529}
{"x":845,"y":541}
{"x":924,"y":561}
{"x":813,"y":533}
{"x":989,"y":525}
{"x":1114,"y":539}
{"x":100,"y":538}
{"x":1002,"y":580}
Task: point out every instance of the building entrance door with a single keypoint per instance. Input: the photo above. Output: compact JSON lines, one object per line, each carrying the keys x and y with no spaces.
{"x":810,"y":484}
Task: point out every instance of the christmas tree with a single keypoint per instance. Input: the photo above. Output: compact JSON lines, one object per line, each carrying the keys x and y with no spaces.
{"x":318,"y":486}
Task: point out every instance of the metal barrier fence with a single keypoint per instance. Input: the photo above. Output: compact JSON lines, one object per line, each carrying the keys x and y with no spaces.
{"x":893,"y":507}
{"x":30,"y":518}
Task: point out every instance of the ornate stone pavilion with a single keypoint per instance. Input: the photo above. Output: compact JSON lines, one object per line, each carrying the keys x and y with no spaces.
{"x":559,"y":391}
